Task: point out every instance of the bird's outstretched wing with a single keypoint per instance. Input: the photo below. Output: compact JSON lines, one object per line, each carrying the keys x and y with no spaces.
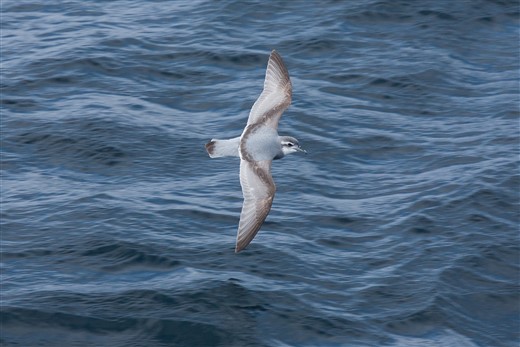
{"x":275,"y":97}
{"x":258,"y":188}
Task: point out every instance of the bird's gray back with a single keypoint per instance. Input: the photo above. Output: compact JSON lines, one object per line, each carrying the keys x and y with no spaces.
{"x":259,"y":142}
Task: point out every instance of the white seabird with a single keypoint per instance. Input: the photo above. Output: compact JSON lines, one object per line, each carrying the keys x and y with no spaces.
{"x":258,"y":145}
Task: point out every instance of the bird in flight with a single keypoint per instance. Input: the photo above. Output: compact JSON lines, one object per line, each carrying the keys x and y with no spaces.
{"x":258,"y":145}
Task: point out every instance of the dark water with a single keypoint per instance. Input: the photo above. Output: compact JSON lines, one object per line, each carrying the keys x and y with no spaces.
{"x":399,"y":228}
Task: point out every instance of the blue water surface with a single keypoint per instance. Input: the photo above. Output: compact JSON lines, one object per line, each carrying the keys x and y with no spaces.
{"x":399,"y":228}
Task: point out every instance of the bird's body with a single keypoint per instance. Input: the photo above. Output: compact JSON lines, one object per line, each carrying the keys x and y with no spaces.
{"x":258,"y":145}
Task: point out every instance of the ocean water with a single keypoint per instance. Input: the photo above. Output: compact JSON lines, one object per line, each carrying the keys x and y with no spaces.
{"x":399,"y":228}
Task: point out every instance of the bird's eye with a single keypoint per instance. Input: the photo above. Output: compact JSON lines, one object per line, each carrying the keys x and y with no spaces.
{"x":290,"y":144}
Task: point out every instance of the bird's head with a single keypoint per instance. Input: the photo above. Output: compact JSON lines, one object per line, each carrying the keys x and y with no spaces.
{"x":290,"y":145}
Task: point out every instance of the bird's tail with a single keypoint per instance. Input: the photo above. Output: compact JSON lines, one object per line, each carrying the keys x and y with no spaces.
{"x":223,"y":148}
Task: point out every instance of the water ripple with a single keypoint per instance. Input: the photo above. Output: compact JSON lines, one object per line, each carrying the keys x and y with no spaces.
{"x":399,"y":228}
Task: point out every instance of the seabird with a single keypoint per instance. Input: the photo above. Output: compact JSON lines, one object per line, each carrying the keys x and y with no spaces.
{"x":258,"y":145}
